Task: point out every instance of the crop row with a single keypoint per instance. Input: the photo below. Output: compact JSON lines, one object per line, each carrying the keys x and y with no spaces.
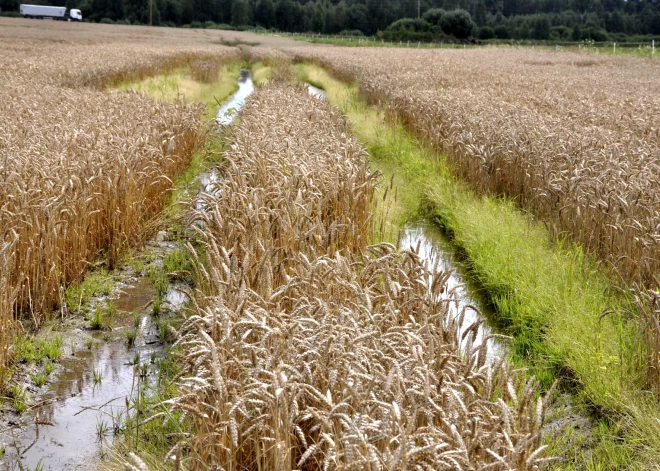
{"x":573,"y":139}
{"x":309,"y":349}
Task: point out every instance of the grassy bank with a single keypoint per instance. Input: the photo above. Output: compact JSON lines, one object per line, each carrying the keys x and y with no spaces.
{"x":566,"y":319}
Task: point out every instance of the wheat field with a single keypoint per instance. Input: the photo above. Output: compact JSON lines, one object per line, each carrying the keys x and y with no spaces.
{"x":309,"y":348}
{"x":573,"y":138}
{"x":82,"y":169}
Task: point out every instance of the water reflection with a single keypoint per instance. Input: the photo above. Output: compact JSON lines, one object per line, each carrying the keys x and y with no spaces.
{"x":228,"y":111}
{"x":436,"y":251}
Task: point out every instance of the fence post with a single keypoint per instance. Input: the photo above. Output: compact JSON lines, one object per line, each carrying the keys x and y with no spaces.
{"x":614,"y":51}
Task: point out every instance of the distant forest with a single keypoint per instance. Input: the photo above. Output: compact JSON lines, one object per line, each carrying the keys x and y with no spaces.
{"x":578,"y":20}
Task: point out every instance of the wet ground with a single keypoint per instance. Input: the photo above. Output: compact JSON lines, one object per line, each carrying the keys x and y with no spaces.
{"x":77,"y":413}
{"x":228,"y":111}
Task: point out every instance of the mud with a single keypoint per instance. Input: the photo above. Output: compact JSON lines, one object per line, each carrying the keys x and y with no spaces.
{"x":84,"y":404}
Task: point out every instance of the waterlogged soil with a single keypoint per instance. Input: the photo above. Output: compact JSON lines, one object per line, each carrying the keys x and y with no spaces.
{"x":78,"y":412}
{"x":76,"y":415}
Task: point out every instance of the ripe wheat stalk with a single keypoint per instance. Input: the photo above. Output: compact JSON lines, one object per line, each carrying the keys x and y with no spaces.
{"x":308,"y":348}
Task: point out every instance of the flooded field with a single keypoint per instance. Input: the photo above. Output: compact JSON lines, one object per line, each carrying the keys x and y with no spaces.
{"x":87,"y":401}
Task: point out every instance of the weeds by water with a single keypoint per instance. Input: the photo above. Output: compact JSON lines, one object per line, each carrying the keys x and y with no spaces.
{"x":156,"y":306}
{"x":39,"y":379}
{"x":96,"y":319}
{"x":19,"y":398}
{"x":177,"y":264}
{"x":96,"y":283}
{"x":97,"y":376}
{"x":33,"y":350}
{"x":131,"y":335}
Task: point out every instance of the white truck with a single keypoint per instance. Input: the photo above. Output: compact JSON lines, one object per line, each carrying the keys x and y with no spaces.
{"x":50,"y":13}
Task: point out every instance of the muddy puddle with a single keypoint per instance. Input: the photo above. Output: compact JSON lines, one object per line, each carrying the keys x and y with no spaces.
{"x":228,"y":111}
{"x":435,"y":248}
{"x":84,"y":404}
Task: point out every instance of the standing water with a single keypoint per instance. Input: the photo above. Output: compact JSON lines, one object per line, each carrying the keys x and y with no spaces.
{"x":228,"y":111}
{"x":226,"y":115}
{"x":84,"y":406}
{"x":432,"y":247}
{"x":315,"y":91}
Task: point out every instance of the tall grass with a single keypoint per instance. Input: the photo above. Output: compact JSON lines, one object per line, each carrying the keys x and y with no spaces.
{"x":548,"y":297}
{"x":557,"y":133}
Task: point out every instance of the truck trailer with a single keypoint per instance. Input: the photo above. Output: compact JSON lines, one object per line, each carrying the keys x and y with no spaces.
{"x":50,"y":13}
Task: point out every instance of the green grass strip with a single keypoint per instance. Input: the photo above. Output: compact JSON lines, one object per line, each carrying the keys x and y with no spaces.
{"x":566,"y":319}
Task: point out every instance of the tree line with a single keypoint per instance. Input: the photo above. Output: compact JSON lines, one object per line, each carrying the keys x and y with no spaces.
{"x":391,"y":19}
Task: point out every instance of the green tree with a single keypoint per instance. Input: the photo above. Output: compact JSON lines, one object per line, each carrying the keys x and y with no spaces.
{"x":480,"y":13}
{"x":433,"y":16}
{"x":318,"y":18}
{"x":358,"y":17}
{"x":457,"y":23}
{"x":501,"y":32}
{"x":341,"y":16}
{"x":486,"y":32}
{"x":541,"y":28}
{"x":240,"y":13}
{"x":524,"y":32}
{"x":264,"y":13}
{"x":577,"y":33}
